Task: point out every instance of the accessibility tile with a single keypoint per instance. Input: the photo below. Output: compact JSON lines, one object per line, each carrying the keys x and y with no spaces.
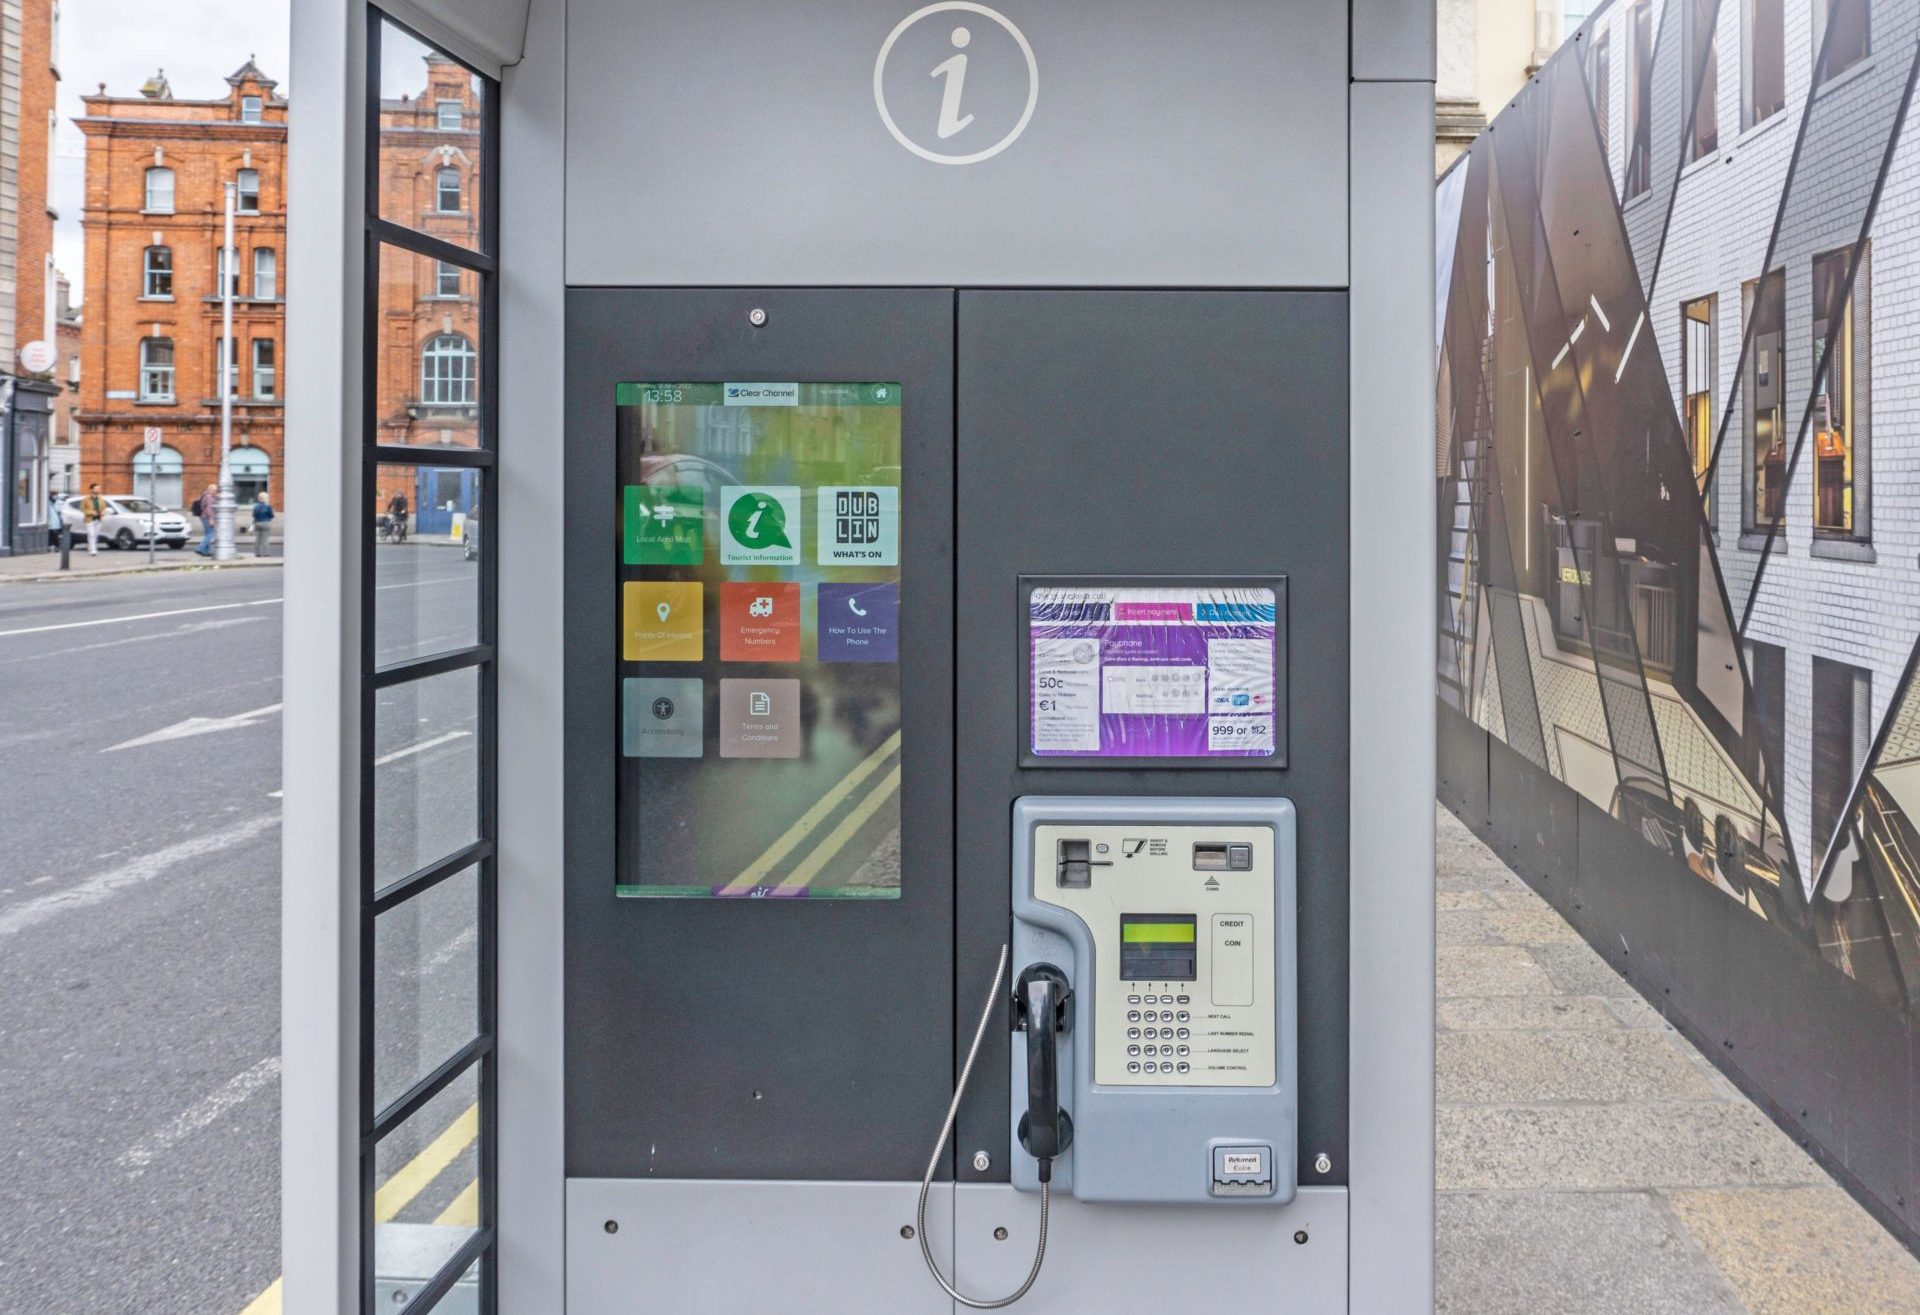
{"x":661,"y":718}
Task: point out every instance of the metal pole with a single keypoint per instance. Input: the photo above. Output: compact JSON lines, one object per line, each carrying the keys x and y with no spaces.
{"x":229,"y":370}
{"x":153,"y":493}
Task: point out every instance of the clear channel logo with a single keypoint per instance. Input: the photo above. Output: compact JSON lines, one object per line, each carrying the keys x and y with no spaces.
{"x":956,"y":82}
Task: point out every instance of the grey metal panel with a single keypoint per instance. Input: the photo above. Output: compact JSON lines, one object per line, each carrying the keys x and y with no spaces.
{"x":690,"y":1247}
{"x":488,"y":34}
{"x":532,"y":807}
{"x":320,"y":1203}
{"x":735,"y":142}
{"x":758,"y":1038}
{"x":1394,"y":41}
{"x":1394,"y":628}
{"x":1145,"y":1143}
{"x":1163,"y":1259}
{"x":1173,"y":433}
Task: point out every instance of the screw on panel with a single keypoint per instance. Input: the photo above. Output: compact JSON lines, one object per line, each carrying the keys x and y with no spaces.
{"x":756,"y":317}
{"x":1000,"y":1233}
{"x":982,"y":1162}
{"x":612,"y":1225}
{"x":1301,"y":1237}
{"x":1323,"y":1163}
{"x":906,"y":1231}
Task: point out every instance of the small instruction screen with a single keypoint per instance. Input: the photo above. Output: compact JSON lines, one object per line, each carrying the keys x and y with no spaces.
{"x":759,"y":640}
{"x":1153,"y":673}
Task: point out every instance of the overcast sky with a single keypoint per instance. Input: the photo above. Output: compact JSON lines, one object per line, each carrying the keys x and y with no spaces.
{"x":121,"y":43}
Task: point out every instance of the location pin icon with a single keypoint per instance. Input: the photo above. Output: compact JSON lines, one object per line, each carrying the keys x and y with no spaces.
{"x":663,"y":609}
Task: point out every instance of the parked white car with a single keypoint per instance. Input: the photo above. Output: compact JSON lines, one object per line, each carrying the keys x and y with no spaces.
{"x":126,"y":522}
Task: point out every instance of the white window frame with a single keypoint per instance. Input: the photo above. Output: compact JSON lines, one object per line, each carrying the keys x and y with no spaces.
{"x":440,"y":108}
{"x":440,"y":177}
{"x":253,"y":109}
{"x":151,"y":197}
{"x":242,"y":195}
{"x":267,"y":373}
{"x":149,"y":272}
{"x":156,"y":380}
{"x":266,"y":274}
{"x":449,"y":371}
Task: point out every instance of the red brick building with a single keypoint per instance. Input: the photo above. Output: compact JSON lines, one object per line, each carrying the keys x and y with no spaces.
{"x":29,"y":80}
{"x":157,"y":170}
{"x":427,"y":385}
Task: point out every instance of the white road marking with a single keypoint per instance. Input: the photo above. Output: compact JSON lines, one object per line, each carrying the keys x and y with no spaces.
{"x":190,"y":611}
{"x":143,"y":616}
{"x":192,"y":726}
{"x":203,"y":1115}
{"x":421,"y":747}
{"x":102,"y":886}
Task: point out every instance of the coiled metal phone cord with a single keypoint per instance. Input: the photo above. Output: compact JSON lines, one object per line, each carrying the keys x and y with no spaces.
{"x":933,"y":1162}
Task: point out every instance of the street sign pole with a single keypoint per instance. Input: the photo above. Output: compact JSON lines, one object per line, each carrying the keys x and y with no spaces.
{"x":151,"y":441}
{"x":229,"y":375}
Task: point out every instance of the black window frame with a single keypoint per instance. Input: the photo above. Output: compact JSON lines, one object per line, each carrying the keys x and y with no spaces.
{"x":479,"y":1055}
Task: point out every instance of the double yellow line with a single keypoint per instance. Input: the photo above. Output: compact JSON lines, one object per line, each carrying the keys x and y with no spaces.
{"x":754,"y":875}
{"x":412,"y":1178}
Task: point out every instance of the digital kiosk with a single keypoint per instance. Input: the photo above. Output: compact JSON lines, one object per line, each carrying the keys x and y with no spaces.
{"x":989,"y":627}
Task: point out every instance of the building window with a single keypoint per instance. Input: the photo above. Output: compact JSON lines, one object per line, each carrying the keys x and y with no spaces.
{"x":160,"y":190}
{"x":252,"y":472}
{"x":156,"y":369}
{"x":229,"y":361}
{"x":1696,"y":383}
{"x":247,"y":200}
{"x":159,"y":477}
{"x":1602,"y":78}
{"x":1640,"y":100}
{"x":266,"y":281}
{"x":263,"y":371}
{"x":1703,"y":66}
{"x":1842,"y":734}
{"x":226,"y":271}
{"x":1765,"y":388}
{"x":1841,"y":32}
{"x":250,"y":107}
{"x":1767,"y":664}
{"x":448,"y":112}
{"x":1840,"y":402}
{"x":447,"y":280}
{"x":446,"y":194}
{"x":157,"y":273}
{"x":1763,"y":60}
{"x":447,"y":371}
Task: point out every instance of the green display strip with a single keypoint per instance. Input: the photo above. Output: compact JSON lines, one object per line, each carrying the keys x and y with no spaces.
{"x":1157,"y":932}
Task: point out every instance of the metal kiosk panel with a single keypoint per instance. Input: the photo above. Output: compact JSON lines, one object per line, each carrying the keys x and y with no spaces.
{"x":780,"y":1038}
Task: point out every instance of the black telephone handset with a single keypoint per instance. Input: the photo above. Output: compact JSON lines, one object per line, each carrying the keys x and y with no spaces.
{"x":1043,"y":1009}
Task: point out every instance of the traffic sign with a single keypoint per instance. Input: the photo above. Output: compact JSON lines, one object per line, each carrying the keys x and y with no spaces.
{"x":152,"y":439}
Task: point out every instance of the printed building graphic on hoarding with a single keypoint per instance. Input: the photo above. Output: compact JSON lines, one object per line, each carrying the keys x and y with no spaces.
{"x":1678,"y":462}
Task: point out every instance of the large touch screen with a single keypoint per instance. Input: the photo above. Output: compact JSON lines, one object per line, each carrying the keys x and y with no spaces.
{"x":759,"y":578}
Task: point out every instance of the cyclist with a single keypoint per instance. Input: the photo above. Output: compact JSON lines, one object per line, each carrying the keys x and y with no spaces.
{"x":397,"y":516}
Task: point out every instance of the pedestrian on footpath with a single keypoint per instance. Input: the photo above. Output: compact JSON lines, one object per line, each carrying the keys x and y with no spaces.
{"x":55,"y":522}
{"x":93,"y":507}
{"x":207,"y":508}
{"x":262,"y":523}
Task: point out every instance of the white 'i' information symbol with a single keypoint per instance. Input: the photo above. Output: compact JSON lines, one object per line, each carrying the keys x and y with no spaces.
{"x":951,"y":73}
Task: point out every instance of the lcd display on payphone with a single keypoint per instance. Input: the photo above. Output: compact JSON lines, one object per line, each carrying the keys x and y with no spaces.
{"x":1161,"y":671}
{"x":759,"y":577}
